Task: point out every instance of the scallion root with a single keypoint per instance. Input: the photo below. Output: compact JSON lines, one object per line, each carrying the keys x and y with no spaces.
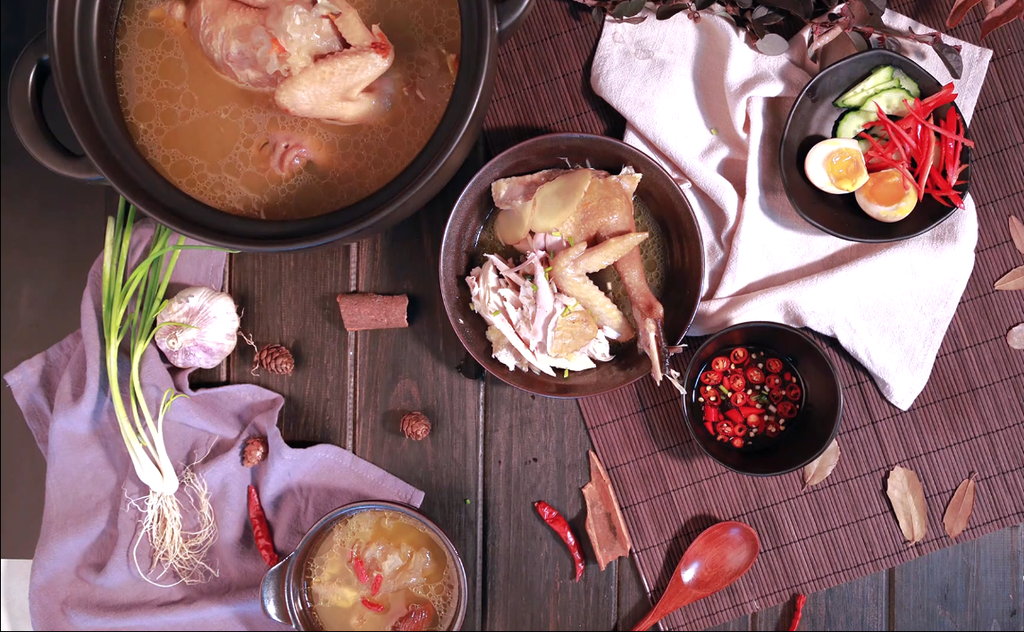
{"x":173,"y":549}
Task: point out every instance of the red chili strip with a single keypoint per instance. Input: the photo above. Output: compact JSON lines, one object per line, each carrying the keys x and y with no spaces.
{"x":360,"y":568}
{"x":560,"y":526}
{"x":942,"y":131}
{"x":798,"y":612}
{"x":260,"y":528}
{"x":377,"y":581}
{"x":372,"y":605}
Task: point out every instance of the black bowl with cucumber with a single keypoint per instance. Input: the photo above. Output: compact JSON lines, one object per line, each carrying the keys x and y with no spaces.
{"x":847,"y":101}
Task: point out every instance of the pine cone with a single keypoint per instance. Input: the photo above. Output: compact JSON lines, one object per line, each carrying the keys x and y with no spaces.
{"x":275,"y":359}
{"x":255,"y":451}
{"x":416,"y":426}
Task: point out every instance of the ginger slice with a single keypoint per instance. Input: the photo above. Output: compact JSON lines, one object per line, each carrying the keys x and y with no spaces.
{"x":605,"y":525}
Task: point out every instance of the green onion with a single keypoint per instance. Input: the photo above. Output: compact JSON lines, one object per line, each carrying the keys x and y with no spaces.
{"x":556,"y":233}
{"x":131,"y":300}
{"x":723,"y":389}
{"x":566,"y":311}
{"x":496,"y":312}
{"x":472,"y":307}
{"x":571,"y":241}
{"x":534,"y":286}
{"x":565,"y":374}
{"x":547,"y":269}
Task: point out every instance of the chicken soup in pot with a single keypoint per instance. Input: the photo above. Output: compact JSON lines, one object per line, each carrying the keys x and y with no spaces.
{"x":284,"y":109}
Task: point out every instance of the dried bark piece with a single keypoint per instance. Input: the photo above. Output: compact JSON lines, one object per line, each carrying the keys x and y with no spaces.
{"x":907,"y":497}
{"x":1015,"y":337}
{"x":820,"y":468}
{"x":605,"y":525}
{"x":1012,"y":280}
{"x":961,"y":506}
{"x":1017,"y":233}
{"x":363,"y":311}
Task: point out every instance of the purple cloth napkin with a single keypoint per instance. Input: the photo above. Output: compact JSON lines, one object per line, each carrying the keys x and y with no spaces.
{"x":83,"y":576}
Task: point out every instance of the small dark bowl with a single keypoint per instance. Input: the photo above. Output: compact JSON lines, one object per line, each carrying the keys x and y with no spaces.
{"x":813,"y":118}
{"x":659,"y":193}
{"x":814,"y":426}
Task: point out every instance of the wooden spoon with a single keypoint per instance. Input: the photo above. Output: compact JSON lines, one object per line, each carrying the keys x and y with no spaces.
{"x":718,"y":557}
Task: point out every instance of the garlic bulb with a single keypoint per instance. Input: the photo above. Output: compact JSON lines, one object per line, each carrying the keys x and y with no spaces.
{"x":211,"y":330}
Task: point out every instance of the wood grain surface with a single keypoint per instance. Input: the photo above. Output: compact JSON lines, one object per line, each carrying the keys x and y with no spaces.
{"x":492,"y":450}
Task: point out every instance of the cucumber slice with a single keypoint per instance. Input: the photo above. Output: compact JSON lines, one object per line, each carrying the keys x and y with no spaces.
{"x":890,"y":102}
{"x":860,"y":98}
{"x":878,"y":76}
{"x":852,"y":123}
{"x":907,"y":83}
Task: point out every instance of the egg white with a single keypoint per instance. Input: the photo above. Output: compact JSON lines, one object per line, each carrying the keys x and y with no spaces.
{"x":814,"y":164}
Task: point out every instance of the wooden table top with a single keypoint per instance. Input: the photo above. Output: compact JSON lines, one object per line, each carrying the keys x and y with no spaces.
{"x":492,"y":451}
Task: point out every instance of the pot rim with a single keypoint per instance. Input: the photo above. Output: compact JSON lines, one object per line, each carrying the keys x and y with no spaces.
{"x":101,"y":131}
{"x":293,"y":580}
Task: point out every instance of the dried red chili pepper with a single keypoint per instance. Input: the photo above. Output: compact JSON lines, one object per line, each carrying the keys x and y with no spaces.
{"x":372,"y":605}
{"x":560,"y":526}
{"x":377,"y":582}
{"x":260,"y":528}
{"x":798,"y":612}
{"x":360,"y":568}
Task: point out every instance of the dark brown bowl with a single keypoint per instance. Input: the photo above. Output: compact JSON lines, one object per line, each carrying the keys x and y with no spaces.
{"x":659,"y":193}
{"x":811,"y":430}
{"x":813,"y":119}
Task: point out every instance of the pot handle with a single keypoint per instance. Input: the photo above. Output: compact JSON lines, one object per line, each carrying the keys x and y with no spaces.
{"x":273,"y":592}
{"x":24,"y":102}
{"x":511,"y":14}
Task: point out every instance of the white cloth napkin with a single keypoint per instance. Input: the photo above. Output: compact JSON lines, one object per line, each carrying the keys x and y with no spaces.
{"x":711,"y":110}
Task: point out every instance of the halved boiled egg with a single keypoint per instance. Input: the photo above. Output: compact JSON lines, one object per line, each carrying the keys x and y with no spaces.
{"x":836,"y":165}
{"x":886,"y":196}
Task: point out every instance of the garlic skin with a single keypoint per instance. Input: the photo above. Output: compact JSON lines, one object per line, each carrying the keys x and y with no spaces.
{"x":213,"y":330}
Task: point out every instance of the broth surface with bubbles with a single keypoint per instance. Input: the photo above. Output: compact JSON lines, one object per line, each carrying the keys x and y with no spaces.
{"x":381,"y":570}
{"x":209,"y":136}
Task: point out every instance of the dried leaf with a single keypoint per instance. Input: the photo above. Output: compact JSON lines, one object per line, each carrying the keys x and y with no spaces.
{"x":628,"y":9}
{"x":1015,"y":337}
{"x":700,"y":5}
{"x":1002,"y":15}
{"x":1017,"y":233}
{"x":959,"y":10}
{"x":959,"y":509}
{"x":820,"y":468}
{"x":950,"y":56}
{"x":772,"y":44}
{"x":907,"y":497}
{"x":605,"y":525}
{"x":665,"y":11}
{"x":597,"y":13}
{"x":1012,"y":280}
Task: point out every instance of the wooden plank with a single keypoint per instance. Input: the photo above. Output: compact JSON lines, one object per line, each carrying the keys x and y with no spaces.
{"x":858,"y":605}
{"x":289,"y":299}
{"x":414,"y":369}
{"x":536,"y":449}
{"x":974,"y":586}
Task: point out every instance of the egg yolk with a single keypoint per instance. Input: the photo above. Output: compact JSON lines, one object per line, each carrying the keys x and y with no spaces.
{"x":885,"y":188}
{"x":844,"y":167}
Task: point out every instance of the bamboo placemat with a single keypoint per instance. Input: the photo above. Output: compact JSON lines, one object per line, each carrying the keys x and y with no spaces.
{"x":969,"y":418}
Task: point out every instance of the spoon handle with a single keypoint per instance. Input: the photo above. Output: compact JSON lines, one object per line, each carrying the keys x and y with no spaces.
{"x":650,"y":620}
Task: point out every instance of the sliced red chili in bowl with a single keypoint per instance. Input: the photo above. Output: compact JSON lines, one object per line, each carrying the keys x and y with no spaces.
{"x":755,"y":375}
{"x":705,"y":389}
{"x":739,"y":355}
{"x":777,"y":395}
{"x":737,"y":442}
{"x":721,"y":364}
{"x":714,"y":398}
{"x":712,"y":413}
{"x":771,"y":429}
{"x":710,"y":427}
{"x":774,"y":365}
{"x":724,"y":428}
{"x":739,"y":398}
{"x":735,"y":383}
{"x":740,"y":430}
{"x":773,"y":381}
{"x":755,"y":421}
{"x":793,"y":391}
{"x":711,"y":377}
{"x":787,"y":410}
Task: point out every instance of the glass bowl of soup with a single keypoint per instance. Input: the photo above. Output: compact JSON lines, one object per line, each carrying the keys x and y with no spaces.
{"x":371,"y":565}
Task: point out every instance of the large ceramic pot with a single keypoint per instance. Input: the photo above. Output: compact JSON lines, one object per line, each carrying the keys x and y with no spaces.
{"x":78,"y":49}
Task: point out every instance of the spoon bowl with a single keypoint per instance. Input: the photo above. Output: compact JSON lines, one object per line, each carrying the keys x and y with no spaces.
{"x":717,"y":558}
